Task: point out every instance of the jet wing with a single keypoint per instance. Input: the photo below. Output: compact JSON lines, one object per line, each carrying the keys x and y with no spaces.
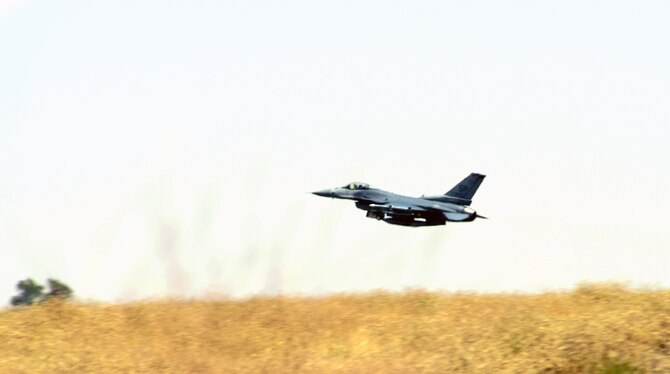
{"x":436,"y":206}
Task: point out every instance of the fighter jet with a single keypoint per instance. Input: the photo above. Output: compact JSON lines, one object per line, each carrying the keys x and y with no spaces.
{"x":453,"y":206}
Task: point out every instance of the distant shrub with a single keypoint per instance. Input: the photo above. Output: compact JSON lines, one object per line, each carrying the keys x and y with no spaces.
{"x":58,"y":290}
{"x":31,"y":292}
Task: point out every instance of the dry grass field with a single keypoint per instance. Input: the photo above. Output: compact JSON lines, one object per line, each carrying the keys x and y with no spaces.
{"x":593,"y":329}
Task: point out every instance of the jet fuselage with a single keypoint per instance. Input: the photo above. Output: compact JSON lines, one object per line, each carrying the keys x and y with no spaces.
{"x":406,"y":210}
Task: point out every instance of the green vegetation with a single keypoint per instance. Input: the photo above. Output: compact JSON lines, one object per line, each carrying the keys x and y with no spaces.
{"x":31,"y":292}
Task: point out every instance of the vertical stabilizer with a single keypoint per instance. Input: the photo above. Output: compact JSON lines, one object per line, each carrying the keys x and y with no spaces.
{"x":467,"y":188}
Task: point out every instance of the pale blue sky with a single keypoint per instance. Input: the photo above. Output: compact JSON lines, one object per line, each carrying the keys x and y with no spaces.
{"x":152,"y":146}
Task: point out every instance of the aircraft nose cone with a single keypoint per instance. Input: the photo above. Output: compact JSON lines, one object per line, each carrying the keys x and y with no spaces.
{"x":324,"y":193}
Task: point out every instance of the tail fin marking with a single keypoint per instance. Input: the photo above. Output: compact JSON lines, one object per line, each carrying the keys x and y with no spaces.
{"x":467,"y":188}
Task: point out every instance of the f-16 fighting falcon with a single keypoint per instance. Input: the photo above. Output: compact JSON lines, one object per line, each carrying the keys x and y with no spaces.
{"x":454,"y":206}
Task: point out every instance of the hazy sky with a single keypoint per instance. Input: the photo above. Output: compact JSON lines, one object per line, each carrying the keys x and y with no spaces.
{"x":150,"y":148}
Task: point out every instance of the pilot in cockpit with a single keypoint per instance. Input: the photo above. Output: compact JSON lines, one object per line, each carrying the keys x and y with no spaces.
{"x":357,"y":186}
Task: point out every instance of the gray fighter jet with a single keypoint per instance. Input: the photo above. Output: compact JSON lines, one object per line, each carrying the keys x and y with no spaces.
{"x":412,"y":211}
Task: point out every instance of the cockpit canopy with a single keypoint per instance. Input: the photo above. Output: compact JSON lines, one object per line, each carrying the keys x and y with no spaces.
{"x":357,"y":186}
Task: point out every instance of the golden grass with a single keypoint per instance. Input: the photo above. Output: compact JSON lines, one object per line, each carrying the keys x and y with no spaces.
{"x":594,"y":329}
